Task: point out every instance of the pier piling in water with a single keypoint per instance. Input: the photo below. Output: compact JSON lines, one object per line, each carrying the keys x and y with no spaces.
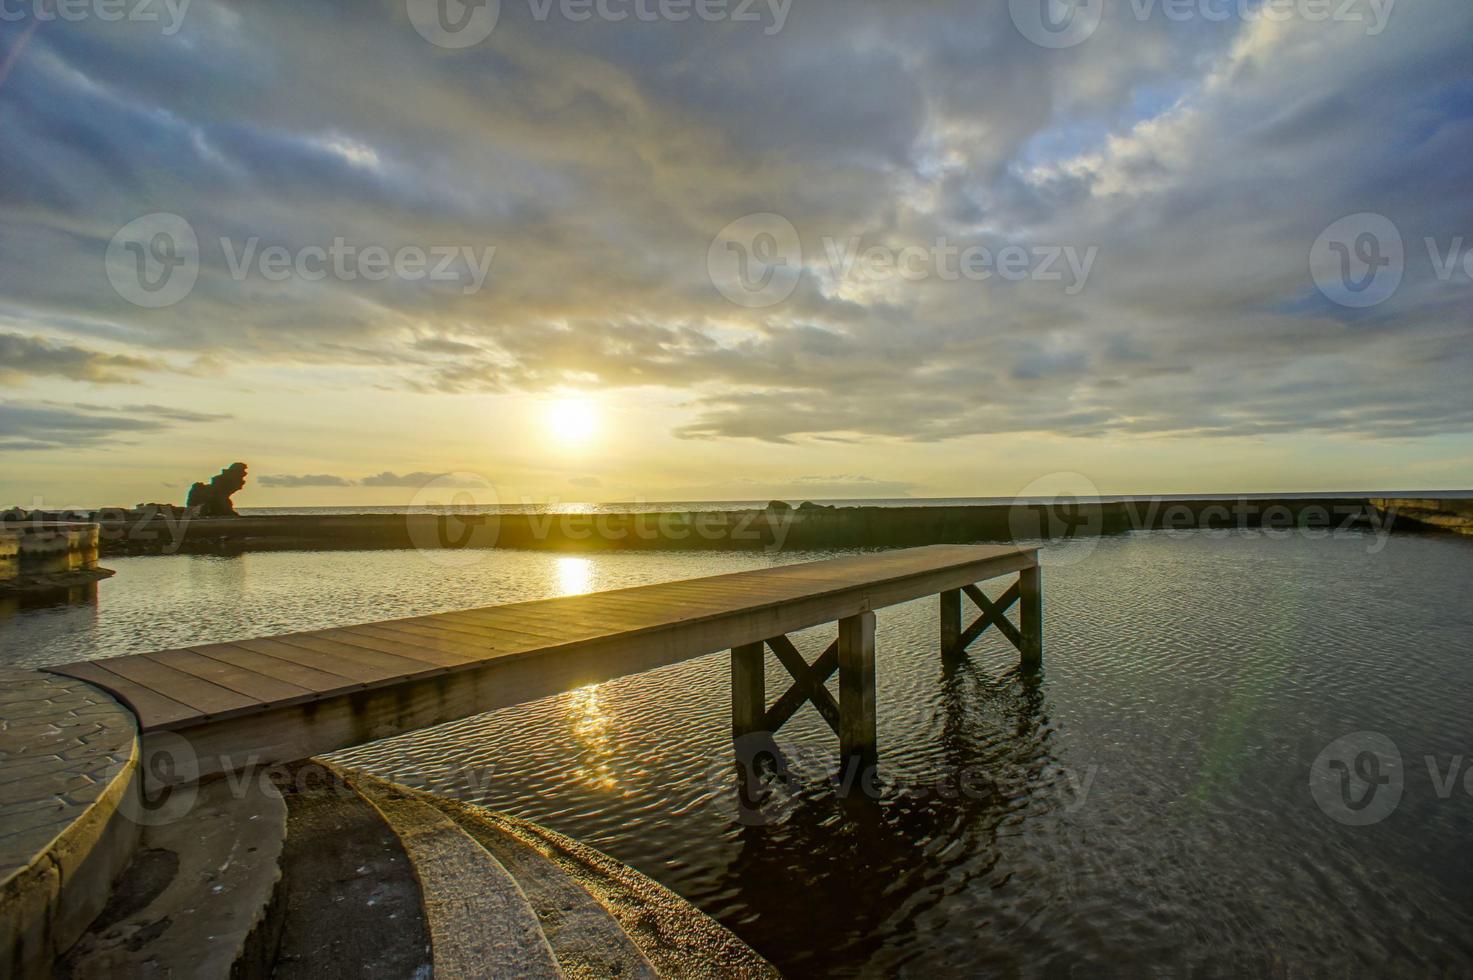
{"x":857,"y":739}
{"x":852,"y":655}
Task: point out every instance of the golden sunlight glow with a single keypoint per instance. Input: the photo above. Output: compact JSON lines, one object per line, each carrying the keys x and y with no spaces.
{"x":572,"y":419}
{"x":591,"y":731}
{"x":574,"y":575}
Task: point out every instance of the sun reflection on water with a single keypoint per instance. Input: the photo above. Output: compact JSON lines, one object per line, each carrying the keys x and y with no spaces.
{"x":574,"y":575}
{"x":591,"y":728}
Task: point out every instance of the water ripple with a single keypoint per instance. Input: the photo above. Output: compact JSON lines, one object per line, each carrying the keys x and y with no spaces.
{"x":1143,"y":807}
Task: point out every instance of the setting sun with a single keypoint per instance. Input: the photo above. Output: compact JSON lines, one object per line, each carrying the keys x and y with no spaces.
{"x":572,"y":419}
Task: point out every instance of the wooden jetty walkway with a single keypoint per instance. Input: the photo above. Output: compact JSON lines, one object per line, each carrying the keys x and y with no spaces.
{"x":282,"y":698}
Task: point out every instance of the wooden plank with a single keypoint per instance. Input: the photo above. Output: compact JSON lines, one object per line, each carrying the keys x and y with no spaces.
{"x":258,"y":687}
{"x":641,"y":609}
{"x":152,"y":709}
{"x":482,"y":642}
{"x":436,"y":650}
{"x":321,"y":681}
{"x":544,"y":620}
{"x":350,"y":670}
{"x":557,"y":626}
{"x":205,"y":697}
{"x":496,"y":626}
{"x":369,"y":666}
{"x":425,"y":652}
{"x":491,"y":642}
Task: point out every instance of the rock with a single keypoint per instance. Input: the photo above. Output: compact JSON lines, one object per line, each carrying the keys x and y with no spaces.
{"x":778,"y":506}
{"x":213,"y":499}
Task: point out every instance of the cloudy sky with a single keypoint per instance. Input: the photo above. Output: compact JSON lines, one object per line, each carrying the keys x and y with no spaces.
{"x":710,"y":250}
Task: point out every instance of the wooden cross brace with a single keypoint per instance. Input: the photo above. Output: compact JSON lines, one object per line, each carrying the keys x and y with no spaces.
{"x":851,"y":715}
{"x":808,"y":686}
{"x":993,"y":614}
{"x":1028,"y":639}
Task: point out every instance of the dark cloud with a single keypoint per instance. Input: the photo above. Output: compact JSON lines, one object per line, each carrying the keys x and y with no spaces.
{"x":303,"y":480}
{"x":600,"y":160}
{"x":161,"y":412}
{"x":51,"y":425}
{"x":23,"y":357}
{"x":420,"y":479}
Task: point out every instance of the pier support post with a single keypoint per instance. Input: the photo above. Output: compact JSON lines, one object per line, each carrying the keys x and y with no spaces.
{"x":857,"y":690}
{"x":748,"y":689}
{"x":951,"y":621}
{"x":1030,"y":599}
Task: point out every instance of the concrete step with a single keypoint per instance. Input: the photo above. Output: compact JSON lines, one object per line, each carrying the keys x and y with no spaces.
{"x":480,"y":921}
{"x":351,"y":904}
{"x":330,"y":874}
{"x":601,"y":918}
{"x":678,"y":939}
{"x":198,"y":898}
{"x":587,"y":940}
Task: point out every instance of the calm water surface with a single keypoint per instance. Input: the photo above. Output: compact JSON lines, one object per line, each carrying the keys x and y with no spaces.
{"x":1143,"y":806}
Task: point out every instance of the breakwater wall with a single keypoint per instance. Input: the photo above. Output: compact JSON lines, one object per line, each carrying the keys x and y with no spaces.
{"x":774,"y":528}
{"x":1432,"y":513}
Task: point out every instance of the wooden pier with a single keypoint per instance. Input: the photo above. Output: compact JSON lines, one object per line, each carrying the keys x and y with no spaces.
{"x":255,"y":702}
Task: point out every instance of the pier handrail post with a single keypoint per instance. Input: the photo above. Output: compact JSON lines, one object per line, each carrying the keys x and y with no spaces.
{"x":951,"y":621}
{"x":748,"y":689}
{"x":1030,"y":598}
{"x":857,"y":690}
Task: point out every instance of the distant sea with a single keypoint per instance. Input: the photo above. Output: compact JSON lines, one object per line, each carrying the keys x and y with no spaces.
{"x":713,"y":506}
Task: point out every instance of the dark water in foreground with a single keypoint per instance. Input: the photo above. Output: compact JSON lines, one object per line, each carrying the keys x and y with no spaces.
{"x":1143,"y":806}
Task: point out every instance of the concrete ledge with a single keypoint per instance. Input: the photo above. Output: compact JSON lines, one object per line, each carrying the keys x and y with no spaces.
{"x":199,"y":899}
{"x":44,"y":556}
{"x":68,"y":772}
